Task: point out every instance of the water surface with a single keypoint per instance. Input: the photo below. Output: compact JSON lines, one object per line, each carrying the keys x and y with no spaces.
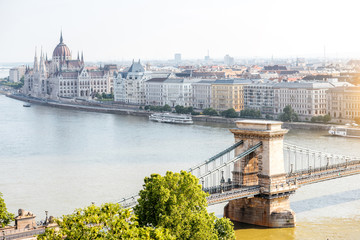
{"x":58,"y":160}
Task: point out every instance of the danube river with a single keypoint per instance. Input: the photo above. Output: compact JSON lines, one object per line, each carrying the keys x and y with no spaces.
{"x":59,"y":160}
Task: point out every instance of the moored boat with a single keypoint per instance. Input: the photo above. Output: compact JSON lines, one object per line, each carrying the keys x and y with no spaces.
{"x":345,"y":131}
{"x":171,"y":118}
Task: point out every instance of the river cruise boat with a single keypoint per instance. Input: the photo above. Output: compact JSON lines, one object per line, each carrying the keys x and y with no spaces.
{"x":26,"y":105}
{"x":171,"y":118}
{"x":345,"y":131}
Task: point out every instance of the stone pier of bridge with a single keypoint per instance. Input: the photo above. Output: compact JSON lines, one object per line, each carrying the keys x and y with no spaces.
{"x":264,"y":168}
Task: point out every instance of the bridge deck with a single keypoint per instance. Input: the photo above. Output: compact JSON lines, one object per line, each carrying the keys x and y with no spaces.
{"x":323,"y":174}
{"x":233,"y":194}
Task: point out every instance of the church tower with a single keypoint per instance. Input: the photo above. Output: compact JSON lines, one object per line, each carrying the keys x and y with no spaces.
{"x":36,"y":63}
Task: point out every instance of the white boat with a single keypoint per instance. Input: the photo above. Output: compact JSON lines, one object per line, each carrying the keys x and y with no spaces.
{"x":171,"y":118}
{"x":345,"y":131}
{"x":26,"y":105}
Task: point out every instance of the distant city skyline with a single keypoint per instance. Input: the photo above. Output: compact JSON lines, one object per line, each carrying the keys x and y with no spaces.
{"x":155,"y":30}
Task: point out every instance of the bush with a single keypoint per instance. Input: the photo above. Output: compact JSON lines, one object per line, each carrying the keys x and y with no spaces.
{"x":165,"y":108}
{"x":230,"y":113}
{"x":184,"y":110}
{"x":210,"y":112}
{"x":267,"y":116}
{"x":322,"y":119}
{"x":252,"y":113}
{"x":288,"y":115}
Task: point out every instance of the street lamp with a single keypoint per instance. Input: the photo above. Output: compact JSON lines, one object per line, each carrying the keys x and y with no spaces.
{"x":222,"y":181}
{"x":46,"y":218}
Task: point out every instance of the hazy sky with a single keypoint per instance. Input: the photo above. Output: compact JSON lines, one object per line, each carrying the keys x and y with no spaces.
{"x":125,"y":29}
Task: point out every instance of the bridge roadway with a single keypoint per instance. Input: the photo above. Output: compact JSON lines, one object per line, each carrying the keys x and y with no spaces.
{"x":229,"y":191}
{"x":221,"y":194}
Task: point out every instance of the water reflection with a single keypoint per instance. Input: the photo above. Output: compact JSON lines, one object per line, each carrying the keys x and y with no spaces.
{"x":325,"y":201}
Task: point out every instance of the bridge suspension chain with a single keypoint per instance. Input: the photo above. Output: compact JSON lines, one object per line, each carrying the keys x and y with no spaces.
{"x":300,"y":159}
{"x":199,"y":169}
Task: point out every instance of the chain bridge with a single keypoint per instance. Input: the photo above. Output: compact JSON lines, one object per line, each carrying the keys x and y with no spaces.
{"x":257,"y":174}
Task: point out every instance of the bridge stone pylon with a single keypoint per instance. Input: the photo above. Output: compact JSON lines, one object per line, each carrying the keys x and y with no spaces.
{"x":265,"y":168}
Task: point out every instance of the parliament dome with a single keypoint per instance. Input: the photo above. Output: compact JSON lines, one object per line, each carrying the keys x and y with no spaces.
{"x":61,"y":49}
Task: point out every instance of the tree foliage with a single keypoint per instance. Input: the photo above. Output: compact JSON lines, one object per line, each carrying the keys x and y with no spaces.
{"x":176,"y":202}
{"x":5,"y":216}
{"x":210,"y":112}
{"x":184,"y":110}
{"x":110,"y":221}
{"x":250,"y":113}
{"x":289,"y":115}
{"x":224,"y":229}
{"x":165,"y":108}
{"x":230,"y":113}
{"x":170,"y":207}
{"x":324,"y":119}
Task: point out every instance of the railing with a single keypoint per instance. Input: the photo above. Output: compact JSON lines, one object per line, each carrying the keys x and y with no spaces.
{"x":16,"y":234}
{"x":129,"y":202}
{"x":224,"y":171}
{"x":299,"y":160}
{"x":214,"y":161}
{"x":233,"y":194}
{"x":229,"y":151}
{"x":325,"y":173}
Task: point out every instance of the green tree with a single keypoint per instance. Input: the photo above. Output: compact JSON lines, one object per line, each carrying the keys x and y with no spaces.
{"x":103,"y":95}
{"x":324,"y":119}
{"x":268,"y":116}
{"x":177,"y":203}
{"x":230,"y":113}
{"x":289,"y":115}
{"x":210,"y":112}
{"x":224,"y":229}
{"x":179,"y":109}
{"x":250,"y":113}
{"x":98,"y":96}
{"x":167,"y":108}
{"x":327,"y":118}
{"x":5,"y":216}
{"x":110,"y":221}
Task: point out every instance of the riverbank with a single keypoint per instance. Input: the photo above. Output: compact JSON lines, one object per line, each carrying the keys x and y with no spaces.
{"x":89,"y":108}
{"x":102,"y":108}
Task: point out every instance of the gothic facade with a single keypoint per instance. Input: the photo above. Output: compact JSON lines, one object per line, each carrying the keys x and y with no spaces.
{"x":63,"y":77}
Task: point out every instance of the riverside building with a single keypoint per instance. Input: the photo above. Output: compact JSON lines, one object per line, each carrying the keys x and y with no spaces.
{"x":129,"y":86}
{"x":201,"y":94}
{"x":15,"y":74}
{"x":259,"y":95}
{"x":343,"y":103}
{"x":226,"y":94}
{"x":171,"y":91}
{"x":308,"y":99}
{"x":64,"y":77}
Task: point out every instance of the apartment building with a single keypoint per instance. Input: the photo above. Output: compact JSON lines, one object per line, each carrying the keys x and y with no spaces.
{"x":129,"y":86}
{"x":201,"y":94}
{"x":171,"y":91}
{"x":343,"y":103}
{"x":306,"y":98}
{"x":259,"y":95}
{"x":226,"y":94}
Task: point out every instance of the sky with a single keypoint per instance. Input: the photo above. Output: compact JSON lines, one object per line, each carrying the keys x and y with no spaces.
{"x":119,"y":30}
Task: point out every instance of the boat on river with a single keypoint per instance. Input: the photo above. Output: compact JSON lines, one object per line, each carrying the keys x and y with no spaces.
{"x":345,"y":131}
{"x":171,"y":118}
{"x":26,"y":105}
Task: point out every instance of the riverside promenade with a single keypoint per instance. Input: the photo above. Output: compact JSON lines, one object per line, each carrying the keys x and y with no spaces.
{"x":92,"y":106}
